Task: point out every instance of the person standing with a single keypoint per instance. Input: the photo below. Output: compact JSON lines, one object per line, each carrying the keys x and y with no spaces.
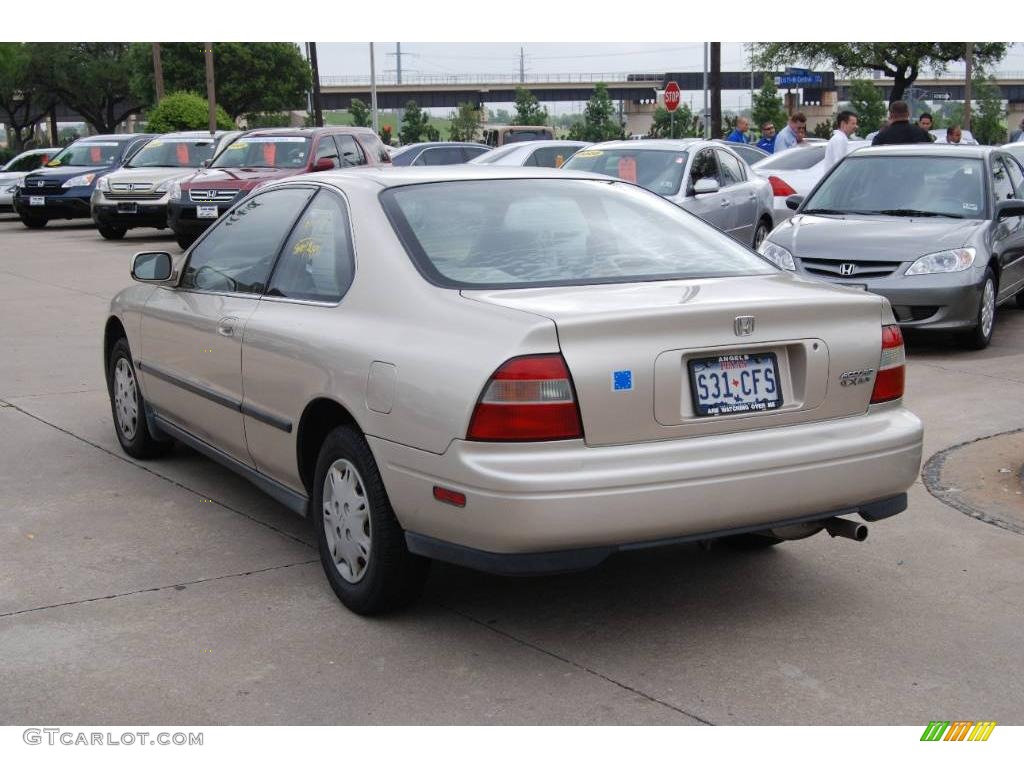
{"x":790,"y":135}
{"x":739,"y":133}
{"x":767,"y":142}
{"x":925,"y":122}
{"x":953,"y":134}
{"x":900,"y":130}
{"x":839,"y":144}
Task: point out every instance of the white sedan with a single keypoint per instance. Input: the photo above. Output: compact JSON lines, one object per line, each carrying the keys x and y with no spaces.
{"x":15,"y":170}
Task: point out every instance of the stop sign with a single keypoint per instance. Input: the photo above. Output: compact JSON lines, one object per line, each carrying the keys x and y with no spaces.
{"x":672,"y":96}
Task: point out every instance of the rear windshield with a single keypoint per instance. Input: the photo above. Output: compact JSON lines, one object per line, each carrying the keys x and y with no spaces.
{"x":514,"y":233}
{"x":173,"y":153}
{"x":86,"y":153}
{"x":527,"y":134}
{"x":265,"y":152}
{"x":796,"y":159}
{"x":659,"y":170}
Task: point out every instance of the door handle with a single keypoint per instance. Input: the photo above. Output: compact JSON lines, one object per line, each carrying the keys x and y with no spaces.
{"x":226,"y":326}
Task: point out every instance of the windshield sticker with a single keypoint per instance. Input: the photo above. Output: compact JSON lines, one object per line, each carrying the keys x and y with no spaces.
{"x":970,"y":207}
{"x":238,"y":145}
{"x":278,"y":139}
{"x":627,"y":169}
{"x":53,"y":164}
{"x":967,"y":171}
{"x":156,"y":143}
{"x":100,"y":144}
{"x":590,"y":153}
{"x":622,"y":381}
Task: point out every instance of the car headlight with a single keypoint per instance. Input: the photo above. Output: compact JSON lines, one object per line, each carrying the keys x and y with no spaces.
{"x":777,"y":255}
{"x":175,"y":187}
{"x":954,"y":260}
{"x":103,"y":185}
{"x":163,"y":186}
{"x":79,"y":181}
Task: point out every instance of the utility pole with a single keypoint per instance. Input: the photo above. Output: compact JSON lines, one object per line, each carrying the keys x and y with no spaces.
{"x":398,"y":62}
{"x":318,"y":113}
{"x":211,"y":95}
{"x":969,"y":60}
{"x":716,"y":90}
{"x":158,"y":73}
{"x":522,"y":66}
{"x":373,"y":93}
{"x":704,"y":114}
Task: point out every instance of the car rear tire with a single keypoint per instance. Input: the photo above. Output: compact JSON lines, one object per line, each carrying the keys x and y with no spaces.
{"x":750,"y":542}
{"x":33,"y":222}
{"x":112,"y":233}
{"x":760,"y":234}
{"x":128,"y":407}
{"x":361,"y":544}
{"x":980,"y":336}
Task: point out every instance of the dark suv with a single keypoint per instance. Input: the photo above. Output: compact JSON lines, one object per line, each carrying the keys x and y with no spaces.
{"x":61,"y":189}
{"x":260,"y":156}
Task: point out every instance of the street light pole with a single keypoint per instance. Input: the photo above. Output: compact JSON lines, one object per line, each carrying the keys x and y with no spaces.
{"x":373,"y":93}
{"x":707,"y":127}
{"x":969,"y":60}
{"x":158,"y":73}
{"x":211,"y":95}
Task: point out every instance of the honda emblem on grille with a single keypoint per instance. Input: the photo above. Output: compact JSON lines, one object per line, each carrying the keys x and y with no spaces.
{"x":743,"y":325}
{"x":40,"y":183}
{"x":847,"y":269}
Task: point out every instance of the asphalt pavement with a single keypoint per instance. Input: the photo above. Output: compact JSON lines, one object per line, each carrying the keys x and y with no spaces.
{"x":172,"y":591}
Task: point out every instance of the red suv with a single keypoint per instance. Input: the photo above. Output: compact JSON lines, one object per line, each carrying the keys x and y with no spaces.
{"x":259,"y":156}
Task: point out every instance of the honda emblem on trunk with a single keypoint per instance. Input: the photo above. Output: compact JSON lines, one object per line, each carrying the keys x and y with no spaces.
{"x":847,"y":269}
{"x":743,"y":325}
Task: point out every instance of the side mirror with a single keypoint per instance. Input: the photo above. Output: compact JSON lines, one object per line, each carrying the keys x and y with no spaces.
{"x":206,"y":163}
{"x":324,"y":164}
{"x":1006,"y":209}
{"x":793,"y":201}
{"x":152,"y":267}
{"x":705,"y":187}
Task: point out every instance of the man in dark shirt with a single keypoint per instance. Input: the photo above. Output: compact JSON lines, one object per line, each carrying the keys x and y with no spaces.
{"x":899,"y":130}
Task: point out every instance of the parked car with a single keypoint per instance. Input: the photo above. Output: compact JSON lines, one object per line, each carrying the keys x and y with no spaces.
{"x":936,"y":229}
{"x":536,"y":154}
{"x":1016,"y":149}
{"x":484,"y":365}
{"x":706,"y":178}
{"x":795,"y":171}
{"x":438,"y":153}
{"x":16,"y":169}
{"x":61,"y":189}
{"x":749,"y":152}
{"x":136,"y":195}
{"x":258,"y":157}
{"x":500,"y":135}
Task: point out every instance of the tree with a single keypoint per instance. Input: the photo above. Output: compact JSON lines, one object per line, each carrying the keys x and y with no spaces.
{"x":869,"y":104}
{"x":987,"y":122}
{"x":902,"y":62}
{"x":263,"y":119}
{"x":465,"y":123}
{"x":414,"y":124}
{"x":94,"y":79}
{"x":185,"y":112}
{"x":824,"y":130}
{"x":528,"y":109}
{"x":360,"y":113}
{"x":664,"y":126}
{"x":23,"y":101}
{"x":599,"y":123}
{"x":767,"y":106}
{"x":249,"y":77}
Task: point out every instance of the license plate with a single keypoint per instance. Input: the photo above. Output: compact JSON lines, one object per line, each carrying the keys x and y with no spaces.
{"x":127,"y":207}
{"x":37,"y":201}
{"x":207,"y":212}
{"x":740,"y":383}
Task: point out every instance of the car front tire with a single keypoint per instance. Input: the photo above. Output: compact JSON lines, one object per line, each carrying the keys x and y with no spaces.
{"x":33,"y":222}
{"x":128,"y":407}
{"x":112,"y":233}
{"x":762,"y":231}
{"x":981,"y":335}
{"x":361,"y":544}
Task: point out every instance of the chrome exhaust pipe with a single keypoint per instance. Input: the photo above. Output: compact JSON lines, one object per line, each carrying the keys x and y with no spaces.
{"x":848,"y":529}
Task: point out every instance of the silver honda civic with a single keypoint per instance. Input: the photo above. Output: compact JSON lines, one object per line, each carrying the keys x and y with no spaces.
{"x":517,"y":370}
{"x":936,"y":229}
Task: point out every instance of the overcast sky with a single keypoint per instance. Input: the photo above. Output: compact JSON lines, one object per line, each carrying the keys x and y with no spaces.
{"x":353,"y":59}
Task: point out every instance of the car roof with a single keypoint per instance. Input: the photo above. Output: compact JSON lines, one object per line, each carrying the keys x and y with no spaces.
{"x":191,"y":134}
{"x":546,"y":142}
{"x":309,"y":132}
{"x":663,"y":144}
{"x":115,"y":137}
{"x":927,"y":149}
{"x":398,"y":176}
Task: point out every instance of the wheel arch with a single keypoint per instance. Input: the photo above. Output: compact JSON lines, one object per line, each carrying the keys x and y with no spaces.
{"x":113,"y":331}
{"x":319,"y":417}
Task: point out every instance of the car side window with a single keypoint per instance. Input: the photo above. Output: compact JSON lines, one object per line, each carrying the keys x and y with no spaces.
{"x":30,"y":163}
{"x":327,"y":149}
{"x":551,"y":157}
{"x":704,"y":167}
{"x":732,"y":172}
{"x":439,"y":156}
{"x":317,"y":262}
{"x":351,"y":152}
{"x":374,"y":147}
{"x":1002,"y":189}
{"x":237,"y":254}
{"x":1016,"y":177}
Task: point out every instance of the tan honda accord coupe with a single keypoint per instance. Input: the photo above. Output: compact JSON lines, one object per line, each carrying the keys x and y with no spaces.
{"x":516,"y":370}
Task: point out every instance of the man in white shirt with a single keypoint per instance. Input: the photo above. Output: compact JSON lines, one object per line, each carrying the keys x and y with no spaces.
{"x":789,"y":136}
{"x":839,"y":144}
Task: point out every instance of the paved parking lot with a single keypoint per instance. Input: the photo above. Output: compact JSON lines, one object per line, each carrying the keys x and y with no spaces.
{"x":173,"y":591}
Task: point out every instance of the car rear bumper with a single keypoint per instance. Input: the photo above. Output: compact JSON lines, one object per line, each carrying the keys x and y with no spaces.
{"x":566,"y":496}
{"x":145,"y":215}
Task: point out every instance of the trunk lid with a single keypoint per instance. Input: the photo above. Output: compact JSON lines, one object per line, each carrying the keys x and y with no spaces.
{"x":653,"y":330}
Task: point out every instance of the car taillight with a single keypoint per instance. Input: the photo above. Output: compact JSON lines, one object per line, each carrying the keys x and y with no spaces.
{"x":780,"y":188}
{"x":528,"y":398}
{"x":891,"y":367}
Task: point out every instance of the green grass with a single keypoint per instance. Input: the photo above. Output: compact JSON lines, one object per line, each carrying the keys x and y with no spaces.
{"x":341,"y":117}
